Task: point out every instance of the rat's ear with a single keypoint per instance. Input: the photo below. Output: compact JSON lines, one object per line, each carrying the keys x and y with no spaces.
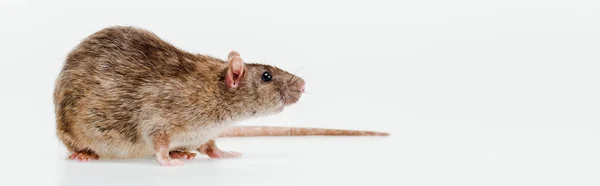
{"x":235,"y":70}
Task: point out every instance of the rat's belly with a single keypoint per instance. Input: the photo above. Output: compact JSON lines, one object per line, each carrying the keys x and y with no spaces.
{"x":194,"y":138}
{"x":189,"y":139}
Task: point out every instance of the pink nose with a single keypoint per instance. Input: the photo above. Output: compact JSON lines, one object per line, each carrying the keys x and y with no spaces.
{"x":302,"y":88}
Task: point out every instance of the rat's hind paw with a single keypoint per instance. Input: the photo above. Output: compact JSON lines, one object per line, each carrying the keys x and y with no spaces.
{"x":171,"y":162}
{"x":83,"y":156}
{"x":182,"y":155}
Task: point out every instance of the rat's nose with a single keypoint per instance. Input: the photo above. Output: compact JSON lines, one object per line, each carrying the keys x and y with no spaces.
{"x":302,"y":87}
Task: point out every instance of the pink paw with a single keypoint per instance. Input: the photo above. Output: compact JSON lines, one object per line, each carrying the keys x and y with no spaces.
{"x":182,"y":155}
{"x":83,"y":156}
{"x":224,"y":154}
{"x":171,"y":162}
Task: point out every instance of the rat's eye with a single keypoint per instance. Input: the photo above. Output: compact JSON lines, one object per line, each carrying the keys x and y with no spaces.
{"x":266,"y":77}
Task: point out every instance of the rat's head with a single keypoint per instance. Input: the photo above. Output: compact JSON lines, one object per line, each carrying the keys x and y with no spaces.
{"x":261,"y":89}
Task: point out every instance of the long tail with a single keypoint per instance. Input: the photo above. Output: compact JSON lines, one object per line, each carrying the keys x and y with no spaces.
{"x":245,"y":131}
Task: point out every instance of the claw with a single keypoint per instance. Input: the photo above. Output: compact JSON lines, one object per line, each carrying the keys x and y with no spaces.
{"x":182,"y":155}
{"x":83,"y":156}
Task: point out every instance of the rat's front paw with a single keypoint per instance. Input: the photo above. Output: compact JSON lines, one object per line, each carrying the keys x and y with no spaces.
{"x":211,"y":149}
{"x":170,"y":162}
{"x":231,"y":154}
{"x":224,"y":154}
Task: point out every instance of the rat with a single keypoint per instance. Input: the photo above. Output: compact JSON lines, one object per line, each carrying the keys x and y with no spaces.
{"x":124,"y":92}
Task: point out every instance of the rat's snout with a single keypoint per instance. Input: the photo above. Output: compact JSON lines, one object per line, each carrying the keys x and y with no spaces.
{"x":301,"y":87}
{"x":295,"y":91}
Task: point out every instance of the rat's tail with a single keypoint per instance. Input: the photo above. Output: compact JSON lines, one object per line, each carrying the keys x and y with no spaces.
{"x":244,"y":131}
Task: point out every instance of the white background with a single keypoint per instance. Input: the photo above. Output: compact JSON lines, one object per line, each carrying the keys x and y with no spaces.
{"x":473,"y":92}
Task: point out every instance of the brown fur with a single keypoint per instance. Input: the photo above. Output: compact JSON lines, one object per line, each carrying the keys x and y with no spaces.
{"x":125,"y":93}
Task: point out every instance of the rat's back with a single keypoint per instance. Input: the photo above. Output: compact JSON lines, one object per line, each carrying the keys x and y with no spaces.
{"x":128,"y":51}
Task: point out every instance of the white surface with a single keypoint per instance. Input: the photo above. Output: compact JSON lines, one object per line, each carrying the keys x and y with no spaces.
{"x":474,"y":92}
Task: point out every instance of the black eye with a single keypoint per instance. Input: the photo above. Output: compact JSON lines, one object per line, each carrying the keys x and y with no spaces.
{"x":266,"y":77}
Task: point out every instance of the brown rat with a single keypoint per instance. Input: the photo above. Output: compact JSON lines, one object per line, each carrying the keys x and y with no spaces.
{"x":125,"y":93}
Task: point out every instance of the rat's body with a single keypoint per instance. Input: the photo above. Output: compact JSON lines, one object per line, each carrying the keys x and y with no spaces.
{"x":125,"y":93}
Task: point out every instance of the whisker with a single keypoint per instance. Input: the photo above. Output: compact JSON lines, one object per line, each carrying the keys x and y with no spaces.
{"x":298,"y":70}
{"x":301,"y":92}
{"x":290,"y":80}
{"x":282,"y":99}
{"x":295,"y":98}
{"x":304,"y":76}
{"x":295,"y":82}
